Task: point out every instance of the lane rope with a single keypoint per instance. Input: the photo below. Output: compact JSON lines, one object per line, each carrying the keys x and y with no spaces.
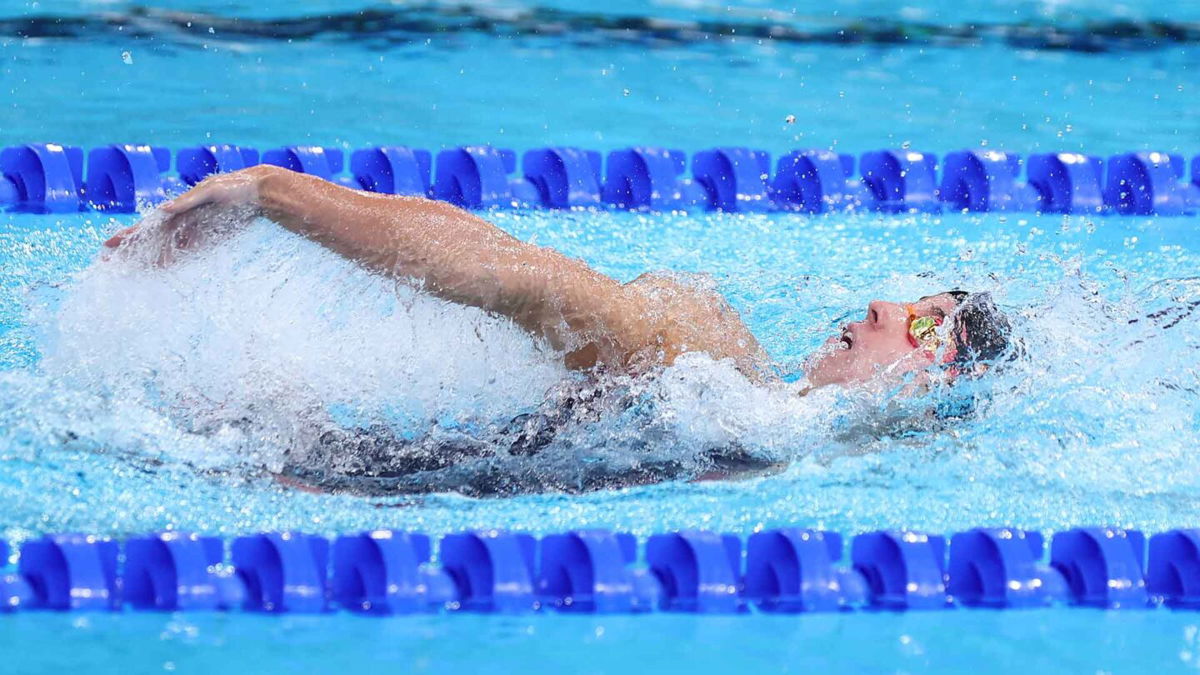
{"x":51,"y":178}
{"x":784,"y":570}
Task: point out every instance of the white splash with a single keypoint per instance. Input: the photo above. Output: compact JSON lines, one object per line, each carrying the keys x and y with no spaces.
{"x":269,"y":332}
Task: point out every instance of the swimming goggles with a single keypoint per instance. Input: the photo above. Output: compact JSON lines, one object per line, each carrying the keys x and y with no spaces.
{"x":922,"y":330}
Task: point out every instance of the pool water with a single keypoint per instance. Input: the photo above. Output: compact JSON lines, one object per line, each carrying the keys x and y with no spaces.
{"x":134,"y":400}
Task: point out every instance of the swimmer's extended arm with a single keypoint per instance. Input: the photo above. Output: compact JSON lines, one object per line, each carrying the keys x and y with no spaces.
{"x":449,"y":252}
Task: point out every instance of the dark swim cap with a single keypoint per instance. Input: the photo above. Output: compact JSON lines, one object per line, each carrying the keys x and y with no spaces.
{"x":982,"y":334}
{"x":980,"y":330}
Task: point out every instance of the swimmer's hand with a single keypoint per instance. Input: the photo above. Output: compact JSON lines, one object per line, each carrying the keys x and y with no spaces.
{"x":190,"y":219}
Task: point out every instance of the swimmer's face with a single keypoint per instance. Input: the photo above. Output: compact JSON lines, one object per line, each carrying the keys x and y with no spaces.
{"x":877,"y":345}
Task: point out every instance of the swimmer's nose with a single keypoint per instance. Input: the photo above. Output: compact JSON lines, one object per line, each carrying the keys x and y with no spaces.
{"x":882,"y":314}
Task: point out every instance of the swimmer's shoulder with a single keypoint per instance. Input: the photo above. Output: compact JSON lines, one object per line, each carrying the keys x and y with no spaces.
{"x":686,"y":313}
{"x":677,"y":291}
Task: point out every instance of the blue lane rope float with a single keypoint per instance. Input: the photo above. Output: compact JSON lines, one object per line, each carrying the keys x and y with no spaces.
{"x":388,"y":572}
{"x":43,"y":178}
{"x":786,"y":570}
{"x":392,"y":170}
{"x":120,"y":177}
{"x":478,"y":177}
{"x":564,"y":177}
{"x":698,"y":571}
{"x":176,"y":571}
{"x":49,"y":178}
{"x":901,"y":180}
{"x":817,"y":181}
{"x":1068,"y":182}
{"x":195,"y":164}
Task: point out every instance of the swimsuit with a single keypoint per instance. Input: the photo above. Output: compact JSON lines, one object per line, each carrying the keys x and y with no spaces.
{"x":376,"y":461}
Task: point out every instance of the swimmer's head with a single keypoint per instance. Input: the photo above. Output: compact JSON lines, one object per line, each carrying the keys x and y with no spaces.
{"x":957,"y":331}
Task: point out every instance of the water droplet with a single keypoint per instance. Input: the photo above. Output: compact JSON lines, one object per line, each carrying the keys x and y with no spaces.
{"x":627,"y":92}
{"x":790,"y":119}
{"x":127,"y":58}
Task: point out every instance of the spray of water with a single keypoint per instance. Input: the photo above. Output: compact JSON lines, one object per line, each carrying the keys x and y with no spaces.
{"x":265,"y":355}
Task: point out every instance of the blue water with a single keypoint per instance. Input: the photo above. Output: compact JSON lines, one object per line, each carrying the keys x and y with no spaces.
{"x":120,"y":387}
{"x":1038,"y":641}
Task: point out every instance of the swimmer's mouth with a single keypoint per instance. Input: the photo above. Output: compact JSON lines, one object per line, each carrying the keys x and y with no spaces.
{"x":847,"y":340}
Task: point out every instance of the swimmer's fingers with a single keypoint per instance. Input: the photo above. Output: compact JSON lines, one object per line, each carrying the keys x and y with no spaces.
{"x":177,"y":208}
{"x":160,"y":240}
{"x":184,"y":231}
{"x":193,"y":218}
{"x":121,"y":237}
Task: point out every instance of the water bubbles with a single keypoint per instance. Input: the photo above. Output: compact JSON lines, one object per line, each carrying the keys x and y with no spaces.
{"x":625,"y":92}
{"x":127,"y":58}
{"x":790,"y":119}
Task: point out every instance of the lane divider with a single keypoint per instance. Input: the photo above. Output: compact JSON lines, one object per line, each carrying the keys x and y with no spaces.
{"x":784,"y":570}
{"x":49,"y":178}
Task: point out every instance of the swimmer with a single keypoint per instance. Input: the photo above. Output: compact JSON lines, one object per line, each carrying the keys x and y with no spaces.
{"x":601,"y":327}
{"x":598,"y":324}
